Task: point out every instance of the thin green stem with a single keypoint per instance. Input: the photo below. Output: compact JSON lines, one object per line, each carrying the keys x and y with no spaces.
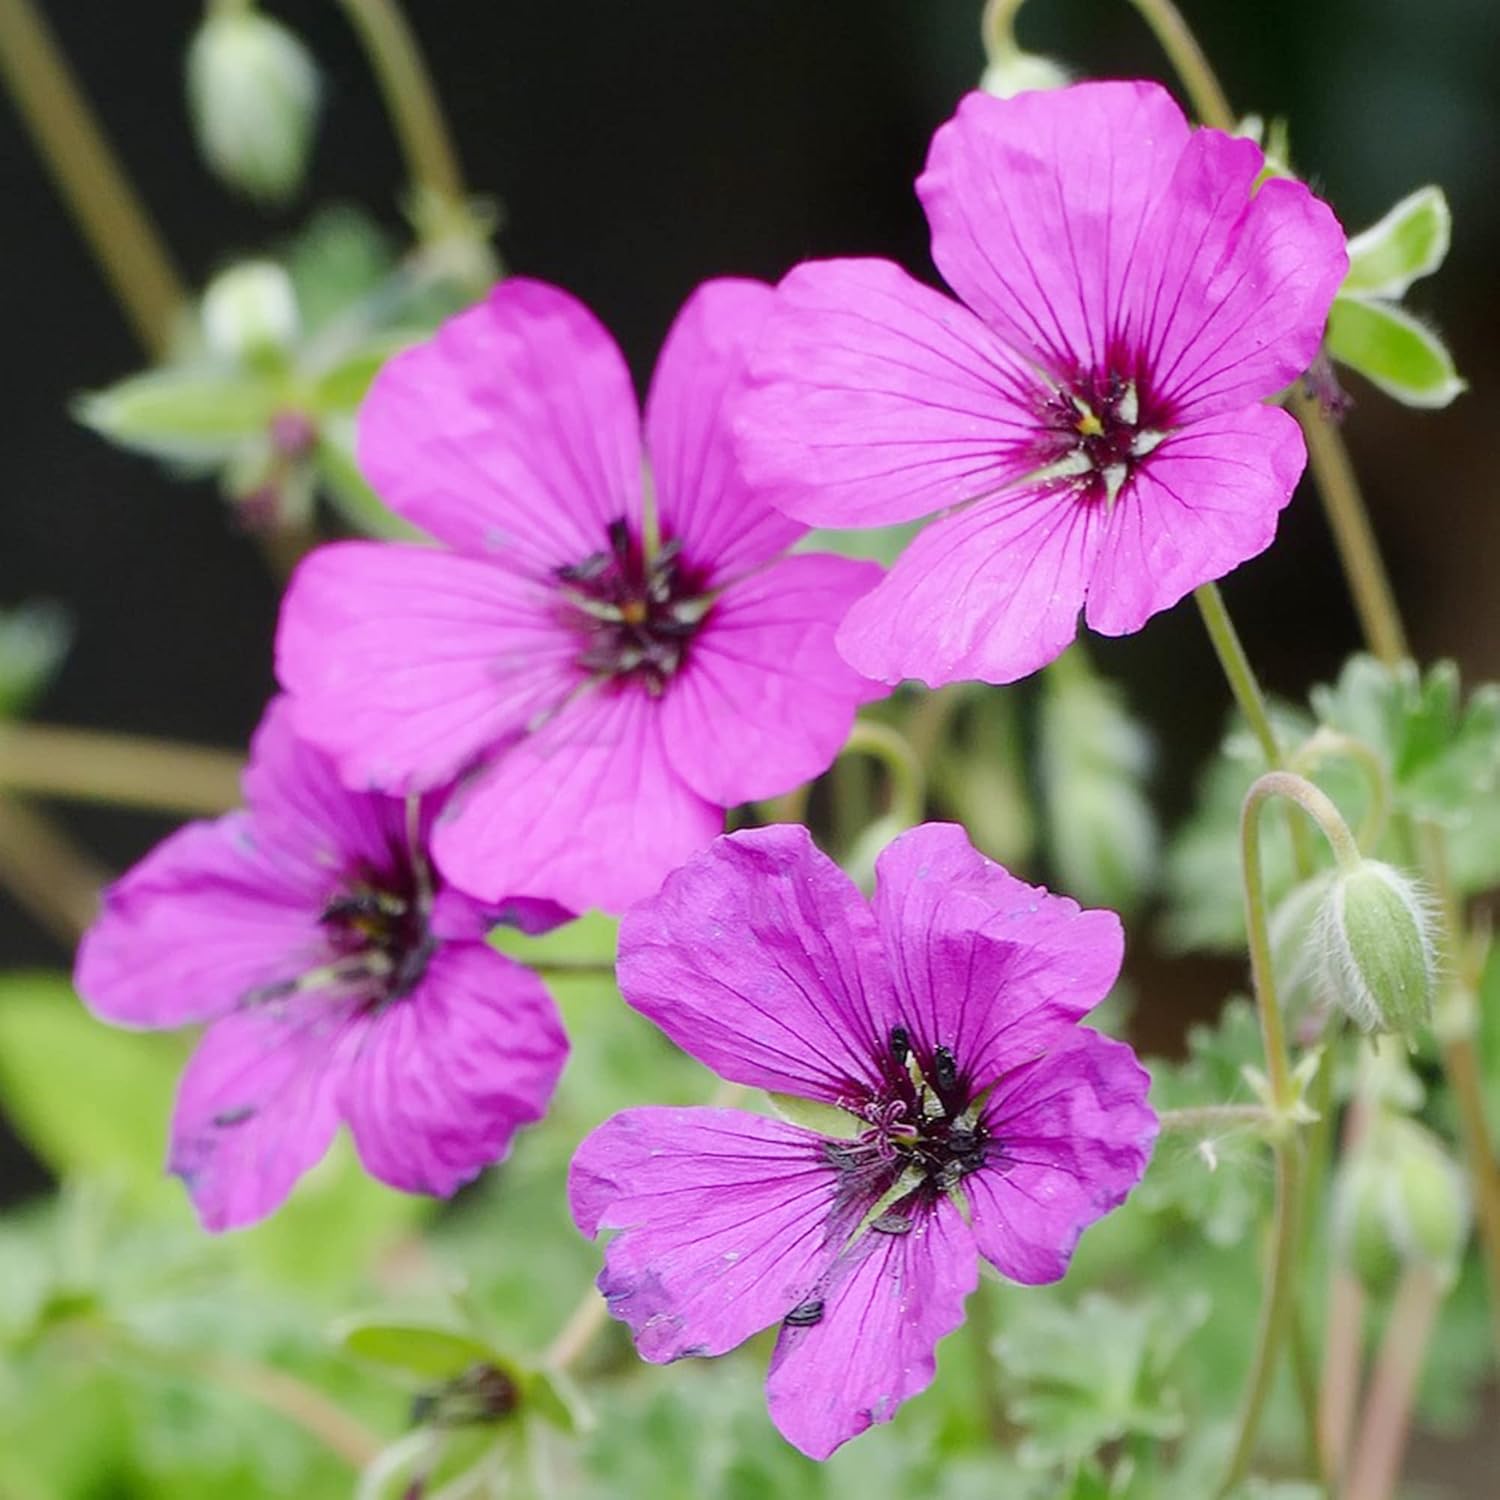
{"x":89,"y":176}
{"x":1349,"y":520}
{"x":412,"y":102}
{"x":890,"y":748}
{"x":1327,"y":743}
{"x":1214,"y":1117}
{"x":1237,"y":670}
{"x":1176,"y":39}
{"x":1305,"y":1373}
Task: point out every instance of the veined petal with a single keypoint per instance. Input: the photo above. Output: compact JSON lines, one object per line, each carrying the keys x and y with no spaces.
{"x":872,"y":399}
{"x":406,"y":663}
{"x":1039,"y":205}
{"x":985,"y":964}
{"x":764,"y":702}
{"x":889,"y":1301}
{"x":991,"y":593}
{"x":212,"y":914}
{"x":761,"y":959}
{"x":513,"y":431}
{"x":1199,"y":505}
{"x":444,"y":1077}
{"x":1230,"y":292}
{"x":1071,"y":1134}
{"x":700,"y":495}
{"x":258,"y":1106}
{"x":587,"y":810}
{"x":722,"y":1220}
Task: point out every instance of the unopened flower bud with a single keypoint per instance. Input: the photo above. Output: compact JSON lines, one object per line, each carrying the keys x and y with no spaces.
{"x":1021,"y":73}
{"x":1376,"y":951}
{"x":253,"y":92}
{"x":1400,"y":1202}
{"x":250,"y":310}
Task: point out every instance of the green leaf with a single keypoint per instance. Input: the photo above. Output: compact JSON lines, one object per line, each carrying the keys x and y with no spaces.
{"x":87,"y":1099}
{"x":882,"y":544}
{"x":196,"y":414}
{"x":1395,"y":351}
{"x":339,"y":258}
{"x":1411,"y":241}
{"x":34,"y":638}
{"x":340,"y":385}
{"x":553,"y":1397}
{"x":424,"y":1350}
{"x":1094,"y":761}
{"x":345,"y":486}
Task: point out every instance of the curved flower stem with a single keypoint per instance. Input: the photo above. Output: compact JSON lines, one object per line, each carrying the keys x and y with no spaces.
{"x":1349,"y":520}
{"x":89,"y":177}
{"x":88,"y":765}
{"x":890,"y":748}
{"x":1327,"y":743}
{"x":410,"y":98}
{"x":1177,"y":40}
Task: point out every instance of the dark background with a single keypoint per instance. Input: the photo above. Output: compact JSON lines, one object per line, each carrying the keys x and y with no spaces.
{"x":639,"y":148}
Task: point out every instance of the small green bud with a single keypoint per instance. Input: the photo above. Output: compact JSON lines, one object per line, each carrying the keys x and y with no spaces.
{"x":1377,"y":955}
{"x":1400,"y":1201}
{"x":250,"y":311}
{"x":1021,"y":73}
{"x":253,"y":94}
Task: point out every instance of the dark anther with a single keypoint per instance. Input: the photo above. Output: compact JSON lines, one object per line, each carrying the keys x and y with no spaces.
{"x":482,"y":1394}
{"x":946,"y":1068}
{"x":845,"y":1158}
{"x":229,"y":1118}
{"x":900,"y":1045}
{"x":618,"y":532}
{"x":963,"y":1142}
{"x":892,"y":1224}
{"x":805,"y":1314}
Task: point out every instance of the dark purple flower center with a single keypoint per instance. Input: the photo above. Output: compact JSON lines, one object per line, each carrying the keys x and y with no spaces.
{"x":1099,"y":428}
{"x":636,"y":613}
{"x":923,"y":1135}
{"x":377,"y":927}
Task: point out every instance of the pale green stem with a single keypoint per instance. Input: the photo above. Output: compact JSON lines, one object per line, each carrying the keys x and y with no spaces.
{"x":410,"y":98}
{"x":1176,"y":39}
{"x":1328,"y":743}
{"x":1211,"y":1117}
{"x":89,"y":177}
{"x":1237,"y":670}
{"x":890,"y":748}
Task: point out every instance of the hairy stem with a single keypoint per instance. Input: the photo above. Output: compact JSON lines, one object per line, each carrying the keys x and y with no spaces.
{"x":1214,"y":1117}
{"x":410,"y":99}
{"x":89,"y":177}
{"x":1327,"y":743}
{"x":88,"y":765}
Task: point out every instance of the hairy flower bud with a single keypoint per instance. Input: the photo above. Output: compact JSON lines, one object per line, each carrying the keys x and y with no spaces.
{"x":250,"y":310}
{"x":1400,"y":1201}
{"x":253,"y":93}
{"x":1376,"y":950}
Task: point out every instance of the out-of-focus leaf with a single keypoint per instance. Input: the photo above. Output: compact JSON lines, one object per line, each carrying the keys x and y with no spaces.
{"x":1411,"y":241}
{"x":425,"y":1351}
{"x":340,"y":257}
{"x":87,"y":1098}
{"x":1094,"y":761}
{"x":34,"y":638}
{"x":341,"y":385}
{"x":1394,"y":350}
{"x":192,"y":414}
{"x":882,"y":544}
{"x":345,"y":486}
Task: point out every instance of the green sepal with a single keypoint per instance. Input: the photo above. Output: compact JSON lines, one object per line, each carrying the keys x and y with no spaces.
{"x":1393,"y":350}
{"x":191,"y":414}
{"x":1410,"y":242}
{"x":813,"y":1114}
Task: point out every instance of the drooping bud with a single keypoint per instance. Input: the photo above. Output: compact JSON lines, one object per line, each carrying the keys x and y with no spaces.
{"x":1400,"y":1202}
{"x":250,"y":311}
{"x":1010,"y":70}
{"x":1376,"y":949}
{"x":253,"y":94}
{"x":1295,"y":953}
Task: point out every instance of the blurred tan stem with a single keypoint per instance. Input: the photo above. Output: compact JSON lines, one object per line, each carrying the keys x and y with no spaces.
{"x":53,"y":879}
{"x":89,"y":765}
{"x":89,"y":177}
{"x":1339,"y":1389}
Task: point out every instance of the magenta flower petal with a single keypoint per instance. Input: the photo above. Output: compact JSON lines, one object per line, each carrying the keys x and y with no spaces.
{"x":349,"y":982}
{"x":1076,"y":1135}
{"x":405,"y":663}
{"x":1208,"y":500}
{"x":513,"y":432}
{"x":984,"y":962}
{"x":765,"y":655}
{"x":877,"y":399}
{"x":441,"y":1083}
{"x":991,"y":593}
{"x":586,"y":810}
{"x":722,"y":1218}
{"x":210,"y":915}
{"x":1038,"y":206}
{"x":257,"y":1107}
{"x":700,"y":495}
{"x":762,"y":960}
{"x":891,"y":1299}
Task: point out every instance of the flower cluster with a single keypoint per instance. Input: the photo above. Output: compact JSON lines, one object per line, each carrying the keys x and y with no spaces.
{"x":605,"y":643}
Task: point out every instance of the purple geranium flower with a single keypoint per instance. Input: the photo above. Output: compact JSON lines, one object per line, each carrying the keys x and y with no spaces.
{"x":614,"y":656}
{"x":958,"y":1111}
{"x":341,"y":981}
{"x":1090,"y":423}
